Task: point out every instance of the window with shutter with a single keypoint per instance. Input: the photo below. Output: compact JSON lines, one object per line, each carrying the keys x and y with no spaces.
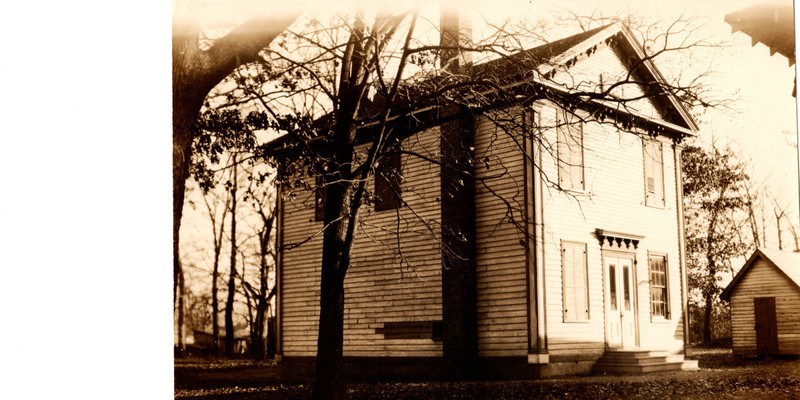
{"x":575,"y":283}
{"x":653,"y":173}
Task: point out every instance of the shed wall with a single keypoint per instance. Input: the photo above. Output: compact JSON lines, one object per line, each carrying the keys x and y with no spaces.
{"x":763,"y":280}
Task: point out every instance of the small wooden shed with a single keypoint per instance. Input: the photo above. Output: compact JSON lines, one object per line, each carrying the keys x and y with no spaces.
{"x":765,"y":299}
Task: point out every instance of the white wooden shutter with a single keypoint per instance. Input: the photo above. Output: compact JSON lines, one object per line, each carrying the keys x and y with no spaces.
{"x":576,"y":302}
{"x":570,"y":152}
{"x":658,"y":173}
{"x":653,"y":173}
{"x":581,"y":302}
{"x":567,"y":263}
{"x":576,"y":156}
{"x":564,"y":152}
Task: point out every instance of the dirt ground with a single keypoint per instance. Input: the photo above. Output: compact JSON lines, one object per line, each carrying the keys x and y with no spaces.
{"x":721,"y":376}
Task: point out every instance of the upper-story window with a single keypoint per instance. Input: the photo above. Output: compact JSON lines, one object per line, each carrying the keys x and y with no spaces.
{"x":570,"y":151}
{"x":653,"y":173}
{"x":388,"y":179}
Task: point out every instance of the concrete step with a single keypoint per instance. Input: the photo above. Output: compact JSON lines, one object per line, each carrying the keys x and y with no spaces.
{"x":690,"y":365}
{"x":671,"y":358}
{"x":638,"y":362}
{"x":626,"y":369}
{"x":636,"y":353}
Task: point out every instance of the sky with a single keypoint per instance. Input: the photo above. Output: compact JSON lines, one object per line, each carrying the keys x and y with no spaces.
{"x":85,"y":162}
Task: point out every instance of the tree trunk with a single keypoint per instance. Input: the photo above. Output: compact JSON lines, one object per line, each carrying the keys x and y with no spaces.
{"x":229,"y":331}
{"x":794,"y":236}
{"x":778,"y":217}
{"x":181,"y":312}
{"x":707,"y":313}
{"x":262,"y":302}
{"x":272,"y":340}
{"x":328,"y":382}
{"x":215,"y":307}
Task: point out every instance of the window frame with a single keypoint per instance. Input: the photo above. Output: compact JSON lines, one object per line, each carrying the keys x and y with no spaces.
{"x":388,"y":190}
{"x":665,"y":289}
{"x":320,"y":193}
{"x":653,"y":168}
{"x":570,"y":152}
{"x":568,"y":316}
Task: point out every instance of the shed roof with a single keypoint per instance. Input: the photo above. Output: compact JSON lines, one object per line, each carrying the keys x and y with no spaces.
{"x":785,"y":262}
{"x":771,"y":23}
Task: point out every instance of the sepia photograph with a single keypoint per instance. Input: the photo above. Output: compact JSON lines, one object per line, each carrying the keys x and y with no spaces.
{"x":483,"y":200}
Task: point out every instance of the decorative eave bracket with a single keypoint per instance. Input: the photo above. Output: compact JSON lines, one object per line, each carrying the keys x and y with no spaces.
{"x":608,"y":239}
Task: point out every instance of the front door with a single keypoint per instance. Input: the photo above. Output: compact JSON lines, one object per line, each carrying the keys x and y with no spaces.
{"x":620,"y":302}
{"x":766,"y":326}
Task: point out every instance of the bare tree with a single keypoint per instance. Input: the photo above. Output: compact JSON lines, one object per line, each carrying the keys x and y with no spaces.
{"x":217,"y":229}
{"x":795,"y":237}
{"x":199,"y":63}
{"x":232,"y":185}
{"x":780,"y":214}
{"x":751,"y":198}
{"x":261,"y":196}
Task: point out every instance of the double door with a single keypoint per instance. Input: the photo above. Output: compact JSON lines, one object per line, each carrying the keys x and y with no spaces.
{"x":620,"y":301}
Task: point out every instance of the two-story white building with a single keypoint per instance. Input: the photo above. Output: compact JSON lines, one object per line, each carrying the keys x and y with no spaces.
{"x":567,"y":245}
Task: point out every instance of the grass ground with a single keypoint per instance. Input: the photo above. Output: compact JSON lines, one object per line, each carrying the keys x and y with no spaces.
{"x":721,"y":376}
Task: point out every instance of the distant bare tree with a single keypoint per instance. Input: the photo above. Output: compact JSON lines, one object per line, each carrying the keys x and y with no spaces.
{"x":262,"y":198}
{"x":199,"y":63}
{"x":217,"y":217}
{"x":780,"y":214}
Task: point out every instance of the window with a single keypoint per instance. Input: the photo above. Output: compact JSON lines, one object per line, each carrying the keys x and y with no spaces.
{"x":319,"y":199}
{"x":570,"y":152}
{"x":575,"y":282}
{"x":387,"y":183}
{"x":659,"y":299}
{"x":653,"y":173}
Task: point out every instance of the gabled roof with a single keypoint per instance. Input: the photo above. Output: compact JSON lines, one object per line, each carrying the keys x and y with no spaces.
{"x":786,"y":263}
{"x":546,"y":59}
{"x":536,"y":67}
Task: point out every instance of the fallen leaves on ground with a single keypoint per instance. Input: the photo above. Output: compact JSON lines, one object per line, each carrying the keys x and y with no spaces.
{"x":721,"y":376}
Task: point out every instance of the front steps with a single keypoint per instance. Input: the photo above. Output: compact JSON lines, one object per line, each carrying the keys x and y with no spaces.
{"x":639,"y":362}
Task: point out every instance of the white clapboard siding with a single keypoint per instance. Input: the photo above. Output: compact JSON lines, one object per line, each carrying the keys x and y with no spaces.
{"x":613,"y":200}
{"x":379,"y":287}
{"x":500,"y":258}
{"x":763,"y":280}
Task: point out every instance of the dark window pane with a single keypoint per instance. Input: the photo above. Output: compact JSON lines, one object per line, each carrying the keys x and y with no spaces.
{"x":388,"y":180}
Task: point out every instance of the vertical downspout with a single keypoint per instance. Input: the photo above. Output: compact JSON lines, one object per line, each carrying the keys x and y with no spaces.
{"x":540,"y":254}
{"x":537,"y":349}
{"x":677,"y":149}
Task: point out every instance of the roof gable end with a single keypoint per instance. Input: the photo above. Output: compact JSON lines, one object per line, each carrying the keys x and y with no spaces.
{"x":787,"y":264}
{"x":632,"y":60}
